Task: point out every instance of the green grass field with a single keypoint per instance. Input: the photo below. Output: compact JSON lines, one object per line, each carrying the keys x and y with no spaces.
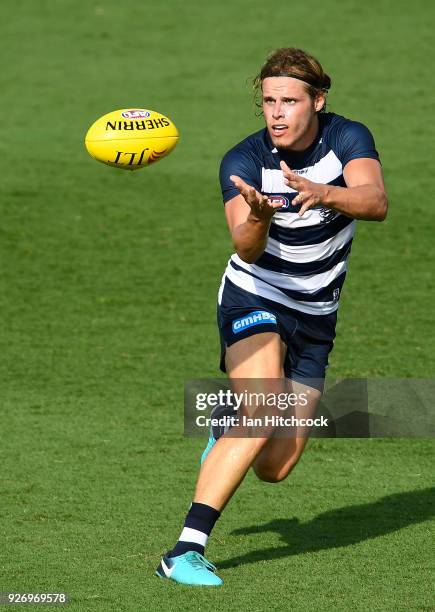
{"x":108,"y":290}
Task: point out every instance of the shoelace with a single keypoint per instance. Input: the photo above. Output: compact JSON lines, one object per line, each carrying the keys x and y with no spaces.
{"x":199,"y":562}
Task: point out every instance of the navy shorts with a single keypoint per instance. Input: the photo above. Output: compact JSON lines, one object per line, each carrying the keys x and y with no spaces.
{"x":309,"y":338}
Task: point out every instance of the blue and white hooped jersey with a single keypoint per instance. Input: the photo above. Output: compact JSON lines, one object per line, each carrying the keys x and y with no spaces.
{"x":305,"y":260}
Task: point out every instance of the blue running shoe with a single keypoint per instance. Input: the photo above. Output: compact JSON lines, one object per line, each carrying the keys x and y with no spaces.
{"x":211,"y":442}
{"x":217,"y":431}
{"x":190,"y":568}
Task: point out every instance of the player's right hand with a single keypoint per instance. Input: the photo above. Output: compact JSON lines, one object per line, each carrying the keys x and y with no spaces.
{"x":260,"y":205}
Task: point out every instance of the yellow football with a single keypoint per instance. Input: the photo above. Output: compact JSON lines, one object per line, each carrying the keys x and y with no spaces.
{"x":131,"y":138}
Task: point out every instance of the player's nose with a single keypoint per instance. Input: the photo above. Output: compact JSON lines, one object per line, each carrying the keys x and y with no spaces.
{"x":277,"y":110}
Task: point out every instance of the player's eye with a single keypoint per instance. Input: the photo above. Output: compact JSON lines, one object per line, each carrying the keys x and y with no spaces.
{"x":269,"y":101}
{"x":289,"y":101}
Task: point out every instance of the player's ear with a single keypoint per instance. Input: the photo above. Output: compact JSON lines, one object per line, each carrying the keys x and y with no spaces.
{"x":319,"y":101}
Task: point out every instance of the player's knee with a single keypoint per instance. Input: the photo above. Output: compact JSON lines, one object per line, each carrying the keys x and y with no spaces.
{"x":273,"y":474}
{"x":271,"y":477}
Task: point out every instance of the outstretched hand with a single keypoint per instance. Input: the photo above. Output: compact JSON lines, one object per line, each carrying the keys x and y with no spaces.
{"x":309,"y":194}
{"x":261,"y":206}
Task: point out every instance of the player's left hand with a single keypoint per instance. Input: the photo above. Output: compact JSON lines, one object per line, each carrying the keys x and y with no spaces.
{"x":310,"y":194}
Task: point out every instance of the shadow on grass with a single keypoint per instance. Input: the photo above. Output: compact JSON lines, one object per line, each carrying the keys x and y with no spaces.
{"x":340,"y":527}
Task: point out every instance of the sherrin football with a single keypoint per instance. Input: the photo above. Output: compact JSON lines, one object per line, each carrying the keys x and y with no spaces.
{"x":131,"y":138}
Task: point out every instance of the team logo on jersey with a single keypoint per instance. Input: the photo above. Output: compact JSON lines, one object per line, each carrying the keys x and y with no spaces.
{"x":258,"y":317}
{"x":326,"y":214}
{"x":136,"y":113}
{"x":279,"y":199}
{"x":335,"y":295}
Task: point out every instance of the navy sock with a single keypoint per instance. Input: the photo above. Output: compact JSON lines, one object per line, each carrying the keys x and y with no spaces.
{"x":199,"y":522}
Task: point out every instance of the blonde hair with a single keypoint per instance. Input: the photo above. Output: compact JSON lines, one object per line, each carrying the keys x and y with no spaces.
{"x":295,"y":63}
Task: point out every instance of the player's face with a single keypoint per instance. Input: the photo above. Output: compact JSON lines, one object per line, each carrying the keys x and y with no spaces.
{"x":290,"y":113}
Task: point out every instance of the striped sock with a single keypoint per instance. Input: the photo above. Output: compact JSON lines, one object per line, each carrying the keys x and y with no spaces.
{"x":199,"y":522}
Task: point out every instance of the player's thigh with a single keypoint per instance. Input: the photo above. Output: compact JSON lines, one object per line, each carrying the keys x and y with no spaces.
{"x":255,"y":368}
{"x":259,"y":356}
{"x":280,"y":454}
